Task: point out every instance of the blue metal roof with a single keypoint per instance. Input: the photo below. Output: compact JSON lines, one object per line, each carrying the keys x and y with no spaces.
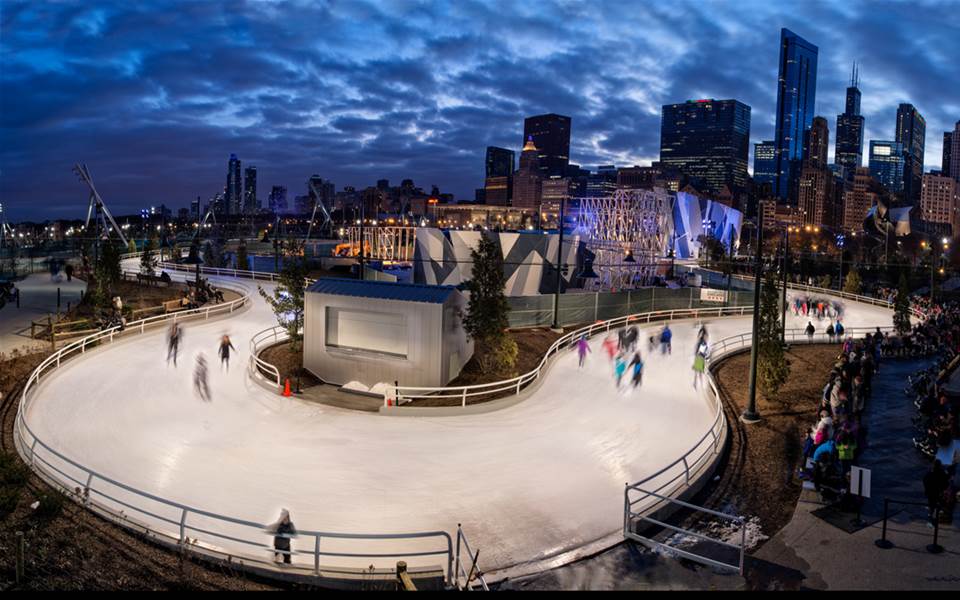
{"x":384,"y":290}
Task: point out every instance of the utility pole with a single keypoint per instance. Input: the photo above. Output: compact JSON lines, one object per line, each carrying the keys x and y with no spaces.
{"x":750,"y":415}
{"x":786,"y":265}
{"x":556,"y":297}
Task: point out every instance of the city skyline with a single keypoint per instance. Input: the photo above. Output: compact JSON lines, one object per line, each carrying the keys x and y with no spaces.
{"x":155,"y":100}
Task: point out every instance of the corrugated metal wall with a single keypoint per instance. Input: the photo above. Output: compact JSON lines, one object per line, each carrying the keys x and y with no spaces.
{"x":422,"y":367}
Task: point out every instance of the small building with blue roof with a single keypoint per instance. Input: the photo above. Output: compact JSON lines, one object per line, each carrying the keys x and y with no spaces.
{"x":370,"y":332}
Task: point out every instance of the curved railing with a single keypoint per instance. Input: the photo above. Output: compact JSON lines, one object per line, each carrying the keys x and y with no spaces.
{"x":174,"y":522}
{"x":261,"y":341}
{"x":402,"y":394}
{"x":240,"y":273}
{"x":667,"y":481}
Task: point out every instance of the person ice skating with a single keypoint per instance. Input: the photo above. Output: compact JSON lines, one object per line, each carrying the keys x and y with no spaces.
{"x":69,"y":271}
{"x":838,"y":330}
{"x":700,"y":362}
{"x":225,"y":346}
{"x":652,"y":344}
{"x":283,"y":531}
{"x":200,"y":384}
{"x":619,"y":367}
{"x":173,"y":342}
{"x":583,"y":347}
{"x":636,"y":368}
{"x":810,"y":329}
{"x":665,"y":336}
{"x":831,"y":332}
{"x":610,"y":346}
{"x":630,"y":338}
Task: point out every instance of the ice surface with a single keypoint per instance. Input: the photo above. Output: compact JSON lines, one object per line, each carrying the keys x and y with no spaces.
{"x":529,"y":481}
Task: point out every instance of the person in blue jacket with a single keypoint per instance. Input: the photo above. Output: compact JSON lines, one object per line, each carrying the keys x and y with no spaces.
{"x":665,"y":336}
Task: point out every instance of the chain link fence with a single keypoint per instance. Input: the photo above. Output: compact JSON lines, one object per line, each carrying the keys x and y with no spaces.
{"x":575,"y":308}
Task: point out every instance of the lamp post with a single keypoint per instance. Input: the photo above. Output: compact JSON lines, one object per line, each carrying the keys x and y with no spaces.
{"x":783,"y":299}
{"x":750,"y":415}
{"x":556,"y":297}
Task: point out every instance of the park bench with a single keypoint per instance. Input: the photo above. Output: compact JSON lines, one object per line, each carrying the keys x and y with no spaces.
{"x":150,"y":279}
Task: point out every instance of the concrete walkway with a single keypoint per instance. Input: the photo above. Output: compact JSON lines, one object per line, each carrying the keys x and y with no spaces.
{"x":38,"y":298}
{"x":810,"y":552}
{"x":829,"y":557}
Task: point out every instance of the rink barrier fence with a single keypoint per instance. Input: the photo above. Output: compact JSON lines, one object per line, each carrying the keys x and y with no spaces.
{"x":658,"y":499}
{"x":260,"y":342}
{"x":398,"y":395}
{"x":95,"y":490}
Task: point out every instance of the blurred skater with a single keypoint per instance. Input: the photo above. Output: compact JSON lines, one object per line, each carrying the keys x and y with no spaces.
{"x":582,"y":349}
{"x":610,"y":346}
{"x":225,"y":346}
{"x":283,"y":531}
{"x":173,"y":342}
{"x":700,"y":362}
{"x":665,"y":336}
{"x":636,"y":368}
{"x":619,"y":367}
{"x":200,"y":384}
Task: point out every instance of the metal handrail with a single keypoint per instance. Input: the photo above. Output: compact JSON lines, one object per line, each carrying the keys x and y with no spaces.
{"x":38,"y":454}
{"x":258,"y":342}
{"x":516,"y":384}
{"x":460,"y":569}
{"x":240,"y":273}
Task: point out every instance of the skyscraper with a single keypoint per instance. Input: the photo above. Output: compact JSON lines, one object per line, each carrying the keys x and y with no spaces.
{"x":911,"y":133}
{"x":955,"y":152}
{"x":858,"y":199}
{"x":849,"y":146}
{"x":498,"y":184}
{"x":250,"y":203}
{"x":708,"y":140}
{"x":764,"y":163}
{"x":551,"y":135}
{"x":887,"y":164}
{"x":796,"y":97}
{"x":816,"y":140}
{"x":940,"y":199}
{"x":947,"y":152}
{"x":527,"y":188}
{"x":499,"y":162}
{"x":234,"y":189}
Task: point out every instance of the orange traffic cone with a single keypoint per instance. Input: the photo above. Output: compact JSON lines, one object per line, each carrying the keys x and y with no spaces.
{"x":286,"y":388}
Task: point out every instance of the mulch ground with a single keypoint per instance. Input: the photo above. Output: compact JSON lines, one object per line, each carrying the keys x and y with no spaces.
{"x":759,"y":477}
{"x":68,"y":547}
{"x":290,"y":364}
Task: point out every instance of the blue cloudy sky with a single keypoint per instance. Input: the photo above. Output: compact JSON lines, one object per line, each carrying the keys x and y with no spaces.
{"x":154,"y":96}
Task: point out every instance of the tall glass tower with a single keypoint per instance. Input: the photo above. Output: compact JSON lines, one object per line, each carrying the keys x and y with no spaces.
{"x":911,"y":132}
{"x":796,"y":97}
{"x":849,"y":149}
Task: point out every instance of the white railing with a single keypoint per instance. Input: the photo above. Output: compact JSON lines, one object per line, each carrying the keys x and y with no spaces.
{"x":239,"y":273}
{"x":259,"y":342}
{"x":403,"y":394}
{"x":143,"y":511}
{"x":661,"y":488}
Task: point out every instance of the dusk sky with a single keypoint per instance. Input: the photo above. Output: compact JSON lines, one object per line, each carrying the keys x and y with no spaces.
{"x":154,"y":96}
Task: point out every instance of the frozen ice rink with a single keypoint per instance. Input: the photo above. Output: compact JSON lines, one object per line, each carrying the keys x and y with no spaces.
{"x":527,"y":482}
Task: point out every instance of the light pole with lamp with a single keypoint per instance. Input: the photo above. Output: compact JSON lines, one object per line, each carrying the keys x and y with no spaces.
{"x":556,"y":296}
{"x":750,"y":415}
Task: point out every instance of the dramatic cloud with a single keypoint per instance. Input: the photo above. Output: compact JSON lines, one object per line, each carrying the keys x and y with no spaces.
{"x":154,"y":96}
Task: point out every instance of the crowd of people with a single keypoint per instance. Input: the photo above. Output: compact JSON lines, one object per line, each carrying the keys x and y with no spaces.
{"x":834,"y":443}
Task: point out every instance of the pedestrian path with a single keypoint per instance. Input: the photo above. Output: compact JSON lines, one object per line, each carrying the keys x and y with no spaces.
{"x":38,"y":298}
